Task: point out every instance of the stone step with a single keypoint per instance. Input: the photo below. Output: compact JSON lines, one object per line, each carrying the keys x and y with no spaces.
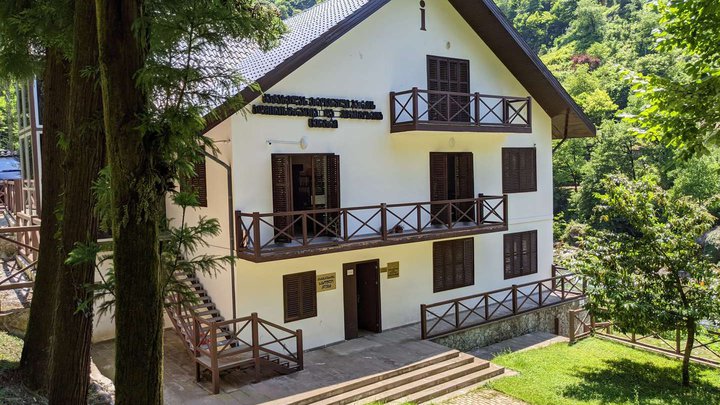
{"x":445,"y":388}
{"x":320,"y":394}
{"x":389,"y":389}
{"x":474,"y":367}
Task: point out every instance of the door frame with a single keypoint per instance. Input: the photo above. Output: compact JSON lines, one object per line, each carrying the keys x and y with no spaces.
{"x":350,"y":307}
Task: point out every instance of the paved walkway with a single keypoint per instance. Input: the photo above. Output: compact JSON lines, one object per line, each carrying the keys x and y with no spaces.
{"x":323,"y":367}
{"x":484,"y":397}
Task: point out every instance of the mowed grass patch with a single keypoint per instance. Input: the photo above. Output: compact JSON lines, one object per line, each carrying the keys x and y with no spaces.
{"x":595,"y":371}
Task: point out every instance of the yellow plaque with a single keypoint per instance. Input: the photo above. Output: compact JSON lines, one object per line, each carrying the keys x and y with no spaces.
{"x":393,"y":270}
{"x":325,"y":282}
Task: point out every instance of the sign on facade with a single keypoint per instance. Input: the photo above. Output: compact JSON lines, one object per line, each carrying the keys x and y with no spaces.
{"x":393,"y":270}
{"x":321,"y":112}
{"x":325,"y":282}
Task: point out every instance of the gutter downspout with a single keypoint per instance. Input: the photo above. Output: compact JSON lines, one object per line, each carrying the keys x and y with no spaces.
{"x":231,"y":226}
{"x":565,"y":132}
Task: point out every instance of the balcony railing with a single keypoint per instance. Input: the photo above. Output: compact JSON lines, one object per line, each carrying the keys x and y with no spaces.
{"x":283,"y":235}
{"x":430,"y":110}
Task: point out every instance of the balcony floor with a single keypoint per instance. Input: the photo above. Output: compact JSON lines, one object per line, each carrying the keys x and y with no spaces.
{"x":328,"y":244}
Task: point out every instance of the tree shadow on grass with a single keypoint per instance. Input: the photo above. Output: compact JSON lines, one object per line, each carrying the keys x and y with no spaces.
{"x":628,"y":381}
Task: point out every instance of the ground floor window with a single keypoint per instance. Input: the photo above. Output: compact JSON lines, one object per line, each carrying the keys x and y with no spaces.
{"x":520,"y":254}
{"x":300,"y":296}
{"x":453,"y":264}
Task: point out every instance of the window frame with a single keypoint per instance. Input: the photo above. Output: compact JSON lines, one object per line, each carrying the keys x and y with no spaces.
{"x":299,"y":279}
{"x":514,"y":268}
{"x":519,"y":179}
{"x":468,"y":259}
{"x":198,"y":182}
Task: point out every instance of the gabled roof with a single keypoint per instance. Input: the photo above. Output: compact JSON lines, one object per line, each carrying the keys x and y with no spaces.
{"x":316,"y":28}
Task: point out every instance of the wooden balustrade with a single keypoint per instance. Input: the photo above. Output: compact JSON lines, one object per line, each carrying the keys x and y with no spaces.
{"x":445,"y":317}
{"x":432,"y":110}
{"x":281,"y":235}
{"x":246,"y":342}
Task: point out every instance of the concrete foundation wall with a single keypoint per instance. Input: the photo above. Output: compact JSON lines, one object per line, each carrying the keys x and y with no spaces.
{"x":541,"y":320}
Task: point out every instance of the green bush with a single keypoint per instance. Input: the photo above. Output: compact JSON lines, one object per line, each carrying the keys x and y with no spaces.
{"x":711,"y":244}
{"x":574,"y":232}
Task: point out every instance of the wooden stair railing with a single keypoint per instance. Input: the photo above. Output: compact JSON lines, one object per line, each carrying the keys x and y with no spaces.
{"x":217,"y":345}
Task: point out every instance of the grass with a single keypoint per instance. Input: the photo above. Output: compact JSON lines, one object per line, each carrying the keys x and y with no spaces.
{"x":595,"y":371}
{"x":11,"y":389}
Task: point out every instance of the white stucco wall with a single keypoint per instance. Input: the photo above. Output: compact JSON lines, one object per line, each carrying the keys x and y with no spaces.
{"x":387,"y":52}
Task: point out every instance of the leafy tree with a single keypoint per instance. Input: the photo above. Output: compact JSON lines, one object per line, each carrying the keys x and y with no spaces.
{"x":588,"y":24}
{"x":682,"y":110}
{"x":699,"y":177}
{"x":156,"y":50}
{"x":598,"y":105}
{"x":8,"y":116}
{"x":646,"y":271}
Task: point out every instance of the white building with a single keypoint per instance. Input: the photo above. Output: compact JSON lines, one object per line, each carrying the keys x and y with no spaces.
{"x":439,"y":101}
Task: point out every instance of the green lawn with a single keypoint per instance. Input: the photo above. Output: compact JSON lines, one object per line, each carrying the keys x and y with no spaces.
{"x":12,"y":392}
{"x":595,"y":371}
{"x":10,"y":349}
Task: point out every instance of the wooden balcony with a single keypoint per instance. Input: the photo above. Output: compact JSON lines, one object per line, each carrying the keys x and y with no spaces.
{"x":285,"y":235}
{"x":430,"y":110}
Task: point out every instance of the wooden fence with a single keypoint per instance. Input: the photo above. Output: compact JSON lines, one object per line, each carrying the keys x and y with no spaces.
{"x":706,"y":349}
{"x":19,"y":266}
{"x":445,"y":317}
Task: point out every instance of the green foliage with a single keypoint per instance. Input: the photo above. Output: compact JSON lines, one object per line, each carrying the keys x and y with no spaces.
{"x":179,"y":255}
{"x":597,"y":104}
{"x":288,"y":8}
{"x":681,"y":110}
{"x":711,"y":245}
{"x":698,"y":177}
{"x":8,"y":116}
{"x":645,"y":269}
{"x":588,"y":24}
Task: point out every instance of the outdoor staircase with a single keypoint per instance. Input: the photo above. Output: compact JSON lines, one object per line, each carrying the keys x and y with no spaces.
{"x":218,"y":345}
{"x":416,"y":383}
{"x":204,"y":309}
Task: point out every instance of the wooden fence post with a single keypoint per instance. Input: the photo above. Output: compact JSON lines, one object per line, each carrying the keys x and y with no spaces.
{"x":257,"y":244}
{"x":255,"y":344}
{"x":214,"y":358}
{"x":514,"y":299}
{"x":300,"y":355}
{"x":553,"y":274}
{"x":383,"y":221}
{"x":423,"y":321}
{"x":457,"y":314}
{"x":415,"y":112}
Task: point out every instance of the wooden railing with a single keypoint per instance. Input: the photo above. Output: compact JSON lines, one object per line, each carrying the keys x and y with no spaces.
{"x":246,"y":342}
{"x":279,"y":235}
{"x":706,"y":349}
{"x":11,"y":196}
{"x":445,"y":317}
{"x":431,"y":110}
{"x":19,"y":265}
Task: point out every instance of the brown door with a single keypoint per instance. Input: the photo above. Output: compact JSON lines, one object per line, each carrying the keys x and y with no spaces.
{"x":361,"y":291}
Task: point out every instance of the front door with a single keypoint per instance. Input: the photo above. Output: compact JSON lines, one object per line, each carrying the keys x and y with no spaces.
{"x":361,"y":290}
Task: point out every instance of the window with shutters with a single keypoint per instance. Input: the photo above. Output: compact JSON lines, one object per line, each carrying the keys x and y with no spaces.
{"x":305,"y":182}
{"x":453,"y":264}
{"x":198,"y":183}
{"x":519,"y":170}
{"x":300,"y":296}
{"x":520,"y":254}
{"x":448,"y":75}
{"x":451,"y":178}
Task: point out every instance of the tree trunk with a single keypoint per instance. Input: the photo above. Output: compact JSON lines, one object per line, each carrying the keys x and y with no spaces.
{"x":136,"y":197}
{"x":36,"y":352}
{"x":691,"y":328}
{"x":70,"y":372}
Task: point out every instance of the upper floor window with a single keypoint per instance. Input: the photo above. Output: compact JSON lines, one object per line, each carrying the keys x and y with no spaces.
{"x":448,"y":75}
{"x":519,"y":170}
{"x":305,"y":182}
{"x":451,"y":178}
{"x":198,"y":183}
{"x":520,"y":254}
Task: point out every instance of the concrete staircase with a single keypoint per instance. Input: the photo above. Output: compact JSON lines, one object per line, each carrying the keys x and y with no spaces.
{"x":415,"y":383}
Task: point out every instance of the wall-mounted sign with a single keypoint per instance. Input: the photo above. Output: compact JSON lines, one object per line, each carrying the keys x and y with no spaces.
{"x":393,"y":270}
{"x":321,"y":112}
{"x":325,"y":282}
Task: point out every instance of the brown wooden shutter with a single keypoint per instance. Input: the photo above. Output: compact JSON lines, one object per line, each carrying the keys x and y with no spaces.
{"x":300,"y":296}
{"x":438,"y":185}
{"x":520,"y":254}
{"x":198,"y":182}
{"x":239,"y":234}
{"x":466,"y":186}
{"x":333,"y":181}
{"x":282,"y":192}
{"x":453,"y":264}
{"x":519,"y":170}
